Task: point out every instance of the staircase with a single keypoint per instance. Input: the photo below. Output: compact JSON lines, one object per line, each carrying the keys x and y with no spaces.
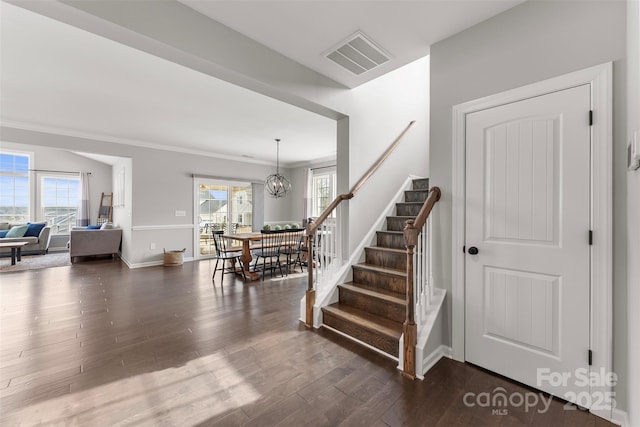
{"x":372,"y":308}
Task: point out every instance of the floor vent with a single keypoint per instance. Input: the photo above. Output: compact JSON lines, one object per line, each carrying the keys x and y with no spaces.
{"x":358,"y":54}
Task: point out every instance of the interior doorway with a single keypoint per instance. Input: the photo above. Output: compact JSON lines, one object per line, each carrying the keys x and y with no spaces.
{"x":599,"y":234}
{"x":527,"y":233}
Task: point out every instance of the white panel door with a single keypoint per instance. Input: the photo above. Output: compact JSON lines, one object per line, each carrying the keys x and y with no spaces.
{"x":528,"y":216}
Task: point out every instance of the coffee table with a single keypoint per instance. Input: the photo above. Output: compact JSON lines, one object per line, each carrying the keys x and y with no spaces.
{"x":16,"y":250}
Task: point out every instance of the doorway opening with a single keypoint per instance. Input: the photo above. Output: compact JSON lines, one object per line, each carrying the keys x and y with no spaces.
{"x":600,"y":234}
{"x":221,"y":206}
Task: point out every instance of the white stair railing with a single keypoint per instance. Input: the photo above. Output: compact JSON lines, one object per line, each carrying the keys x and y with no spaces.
{"x":328,"y":258}
{"x":423,"y":273}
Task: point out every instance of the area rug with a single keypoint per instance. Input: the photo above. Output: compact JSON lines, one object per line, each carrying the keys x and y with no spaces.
{"x":32,"y":262}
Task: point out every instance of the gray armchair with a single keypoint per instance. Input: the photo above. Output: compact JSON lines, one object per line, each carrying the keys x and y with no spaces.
{"x":94,"y":242}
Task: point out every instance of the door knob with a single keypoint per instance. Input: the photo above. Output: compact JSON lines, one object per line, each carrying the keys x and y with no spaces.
{"x":473,"y":250}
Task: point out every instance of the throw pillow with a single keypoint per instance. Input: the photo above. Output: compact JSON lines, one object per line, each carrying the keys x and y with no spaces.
{"x":3,"y":233}
{"x":17,"y":231}
{"x":106,"y":226}
{"x":92,"y":227}
{"x":34,"y":229}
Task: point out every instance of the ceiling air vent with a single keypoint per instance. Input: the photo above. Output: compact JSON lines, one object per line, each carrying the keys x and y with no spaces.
{"x":358,"y":54}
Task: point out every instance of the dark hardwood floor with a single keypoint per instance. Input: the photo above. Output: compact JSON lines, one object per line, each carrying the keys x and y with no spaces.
{"x":97,"y":344}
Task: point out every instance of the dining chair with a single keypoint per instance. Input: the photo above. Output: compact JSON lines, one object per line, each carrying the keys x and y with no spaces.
{"x":224,"y":253}
{"x":292,"y":248}
{"x":270,"y":251}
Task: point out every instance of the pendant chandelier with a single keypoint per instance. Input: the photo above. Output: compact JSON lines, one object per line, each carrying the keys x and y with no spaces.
{"x":277,"y":185}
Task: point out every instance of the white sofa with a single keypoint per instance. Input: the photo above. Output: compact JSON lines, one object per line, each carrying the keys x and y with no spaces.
{"x":35,"y":245}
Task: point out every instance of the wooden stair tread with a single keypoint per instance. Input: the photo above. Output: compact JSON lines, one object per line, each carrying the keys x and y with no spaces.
{"x":389,"y":296}
{"x":366,"y":320}
{"x":382,"y":270}
{"x":382,"y":248}
{"x":390,"y":232}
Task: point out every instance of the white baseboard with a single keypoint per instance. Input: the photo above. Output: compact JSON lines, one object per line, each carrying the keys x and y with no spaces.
{"x":433,"y":358}
{"x":620,"y":417}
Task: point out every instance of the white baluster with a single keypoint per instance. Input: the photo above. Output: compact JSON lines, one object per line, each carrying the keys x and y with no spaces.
{"x":416,"y":283}
{"x":426,"y":255}
{"x":430,"y":257}
{"x":422,"y":275}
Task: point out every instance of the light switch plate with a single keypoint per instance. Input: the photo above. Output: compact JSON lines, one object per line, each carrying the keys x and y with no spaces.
{"x":181,"y":213}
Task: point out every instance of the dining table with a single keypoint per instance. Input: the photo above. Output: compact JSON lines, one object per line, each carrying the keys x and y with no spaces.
{"x":246,"y":239}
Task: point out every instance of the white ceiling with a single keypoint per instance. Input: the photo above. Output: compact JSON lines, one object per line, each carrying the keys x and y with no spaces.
{"x":305,"y":30}
{"x":61,"y":79}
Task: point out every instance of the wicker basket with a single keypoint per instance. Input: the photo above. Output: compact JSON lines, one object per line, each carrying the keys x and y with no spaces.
{"x":173,"y":258}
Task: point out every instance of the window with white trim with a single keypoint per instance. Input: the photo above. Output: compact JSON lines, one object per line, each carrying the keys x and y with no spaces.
{"x":324,"y":191}
{"x":60,"y":199}
{"x":14,"y":187}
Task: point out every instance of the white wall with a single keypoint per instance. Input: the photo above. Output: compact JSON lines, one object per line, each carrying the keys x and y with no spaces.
{"x":633,"y":213}
{"x":532,"y":42}
{"x":378,"y":112}
{"x":48,"y":158}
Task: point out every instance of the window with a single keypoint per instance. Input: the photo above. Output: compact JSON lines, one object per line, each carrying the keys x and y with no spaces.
{"x":324,"y":191}
{"x":14,"y":187}
{"x":60,"y":202}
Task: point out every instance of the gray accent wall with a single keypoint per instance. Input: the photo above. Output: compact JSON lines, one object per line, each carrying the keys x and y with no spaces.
{"x":531,"y":42}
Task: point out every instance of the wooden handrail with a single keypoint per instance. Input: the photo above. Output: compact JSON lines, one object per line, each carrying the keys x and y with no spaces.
{"x":410,"y":329}
{"x":381,"y":160}
{"x":325,"y":214}
{"x":421,"y":219}
{"x":312,"y":226}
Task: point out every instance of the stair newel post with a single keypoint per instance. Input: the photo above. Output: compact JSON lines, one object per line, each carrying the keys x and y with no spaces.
{"x":310,"y":298}
{"x":410,"y":329}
